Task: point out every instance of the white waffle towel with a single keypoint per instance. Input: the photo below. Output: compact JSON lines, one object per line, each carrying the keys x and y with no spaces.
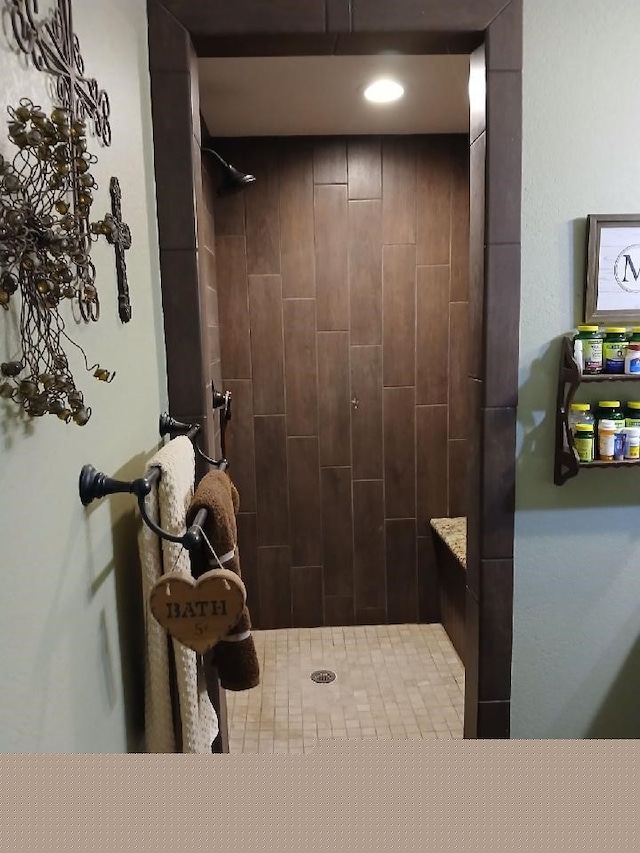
{"x":185,"y":722}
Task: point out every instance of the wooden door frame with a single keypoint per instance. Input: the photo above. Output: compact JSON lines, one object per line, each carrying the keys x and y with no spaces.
{"x":491,"y":31}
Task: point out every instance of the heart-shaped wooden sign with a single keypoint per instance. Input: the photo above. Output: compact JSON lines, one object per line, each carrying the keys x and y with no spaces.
{"x":198,"y":613}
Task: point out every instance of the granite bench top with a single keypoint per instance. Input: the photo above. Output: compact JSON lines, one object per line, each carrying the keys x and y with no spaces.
{"x":453,"y":532}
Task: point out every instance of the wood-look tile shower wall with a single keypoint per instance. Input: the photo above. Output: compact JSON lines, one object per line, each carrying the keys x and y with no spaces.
{"x":342,"y":280}
{"x":209,"y":314}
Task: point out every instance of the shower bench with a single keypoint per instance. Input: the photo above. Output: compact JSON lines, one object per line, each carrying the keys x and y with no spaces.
{"x":450,"y":546}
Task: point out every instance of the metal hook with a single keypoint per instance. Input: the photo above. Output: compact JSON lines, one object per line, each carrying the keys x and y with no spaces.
{"x":217,"y":397}
{"x":89,"y":308}
{"x":223,"y":402}
{"x":170,"y":426}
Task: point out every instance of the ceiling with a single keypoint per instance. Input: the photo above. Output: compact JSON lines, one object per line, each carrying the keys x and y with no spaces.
{"x":318,"y":95}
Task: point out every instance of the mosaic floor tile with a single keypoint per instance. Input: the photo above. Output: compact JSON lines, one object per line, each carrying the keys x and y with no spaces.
{"x":392,"y":681}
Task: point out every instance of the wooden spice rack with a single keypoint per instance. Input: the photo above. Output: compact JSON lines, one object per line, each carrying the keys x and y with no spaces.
{"x":566,"y":462}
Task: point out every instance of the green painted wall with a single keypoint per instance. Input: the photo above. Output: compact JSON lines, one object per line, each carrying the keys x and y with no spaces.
{"x":71,"y":626}
{"x":576,"y":662}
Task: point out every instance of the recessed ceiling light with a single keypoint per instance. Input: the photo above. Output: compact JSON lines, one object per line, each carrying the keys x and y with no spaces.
{"x":383,"y":91}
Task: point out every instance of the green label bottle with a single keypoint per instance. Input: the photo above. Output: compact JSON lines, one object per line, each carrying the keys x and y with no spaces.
{"x":614,"y":349}
{"x":591,"y":339}
{"x":584,"y":441}
{"x":633,"y":414}
{"x":611,"y":410}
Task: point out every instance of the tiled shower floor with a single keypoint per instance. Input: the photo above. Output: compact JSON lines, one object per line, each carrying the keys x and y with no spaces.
{"x":393,"y":681}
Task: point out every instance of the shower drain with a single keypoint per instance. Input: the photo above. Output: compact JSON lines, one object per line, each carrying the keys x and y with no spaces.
{"x":323,"y":676}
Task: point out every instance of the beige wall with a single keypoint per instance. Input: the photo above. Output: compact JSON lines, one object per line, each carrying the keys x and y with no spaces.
{"x":576,"y":657}
{"x":72,"y":619}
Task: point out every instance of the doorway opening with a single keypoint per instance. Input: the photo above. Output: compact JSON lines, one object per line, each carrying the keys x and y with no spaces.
{"x":342,"y":288}
{"x":494,"y":161}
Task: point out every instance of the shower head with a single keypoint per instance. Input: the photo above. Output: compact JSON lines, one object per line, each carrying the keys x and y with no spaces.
{"x":232,"y":180}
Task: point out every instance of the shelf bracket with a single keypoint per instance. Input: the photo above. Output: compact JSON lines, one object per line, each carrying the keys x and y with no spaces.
{"x":566,"y":462}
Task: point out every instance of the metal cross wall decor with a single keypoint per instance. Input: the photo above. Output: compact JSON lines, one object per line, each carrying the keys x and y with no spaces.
{"x":118,"y":234}
{"x":46,"y":194}
{"x":54,"y":48}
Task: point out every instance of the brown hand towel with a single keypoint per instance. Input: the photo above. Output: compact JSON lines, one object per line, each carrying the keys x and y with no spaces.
{"x":235,"y":656}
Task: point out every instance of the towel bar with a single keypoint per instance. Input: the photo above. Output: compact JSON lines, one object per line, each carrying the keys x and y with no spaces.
{"x":94,"y":484}
{"x":170,"y":426}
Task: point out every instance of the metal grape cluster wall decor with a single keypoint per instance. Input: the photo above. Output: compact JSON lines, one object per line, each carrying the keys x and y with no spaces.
{"x":46,"y":231}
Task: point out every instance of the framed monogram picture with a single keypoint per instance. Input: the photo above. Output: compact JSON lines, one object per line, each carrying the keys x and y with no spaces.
{"x":613,"y":269}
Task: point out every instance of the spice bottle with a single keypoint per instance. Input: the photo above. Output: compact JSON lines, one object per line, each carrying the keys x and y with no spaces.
{"x":591,"y":345}
{"x":614,"y":349}
{"x":583,"y":442}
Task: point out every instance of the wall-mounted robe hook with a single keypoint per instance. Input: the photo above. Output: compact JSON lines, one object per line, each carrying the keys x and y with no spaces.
{"x":218,"y":398}
{"x":223,"y":402}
